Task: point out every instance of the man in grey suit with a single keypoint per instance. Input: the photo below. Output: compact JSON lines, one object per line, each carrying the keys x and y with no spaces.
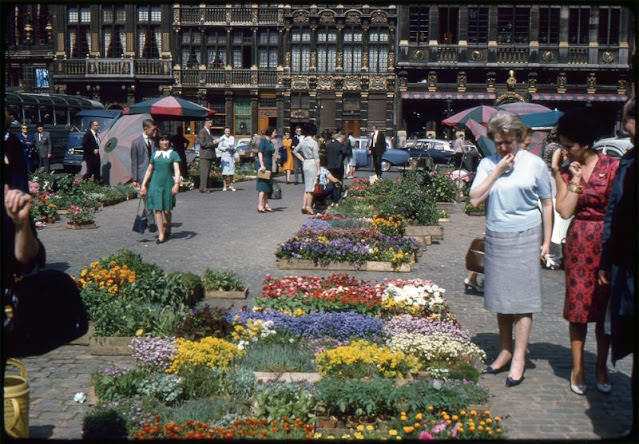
{"x":142,"y":149}
{"x":43,"y":145}
{"x":207,"y":152}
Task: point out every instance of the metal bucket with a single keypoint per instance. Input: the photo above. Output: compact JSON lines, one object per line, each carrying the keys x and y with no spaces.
{"x":16,"y":402}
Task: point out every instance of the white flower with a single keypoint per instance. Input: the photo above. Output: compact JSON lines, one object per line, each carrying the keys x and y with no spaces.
{"x":80,"y":397}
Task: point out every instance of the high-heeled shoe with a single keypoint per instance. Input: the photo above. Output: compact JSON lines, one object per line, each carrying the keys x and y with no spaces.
{"x":468,"y":285}
{"x":494,"y":371}
{"x":578,"y":389}
{"x":510,"y":382}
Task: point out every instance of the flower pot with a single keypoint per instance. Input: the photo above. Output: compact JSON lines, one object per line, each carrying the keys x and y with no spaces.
{"x":327,"y":422}
{"x":76,"y":226}
{"x":354,"y":421}
{"x":435,"y":231}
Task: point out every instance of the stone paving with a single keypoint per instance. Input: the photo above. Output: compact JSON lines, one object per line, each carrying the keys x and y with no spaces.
{"x":224,"y":231}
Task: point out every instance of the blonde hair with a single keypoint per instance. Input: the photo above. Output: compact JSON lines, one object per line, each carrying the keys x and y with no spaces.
{"x":507,"y":123}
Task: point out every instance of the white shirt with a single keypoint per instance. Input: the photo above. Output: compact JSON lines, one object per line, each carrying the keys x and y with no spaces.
{"x":226,"y":142}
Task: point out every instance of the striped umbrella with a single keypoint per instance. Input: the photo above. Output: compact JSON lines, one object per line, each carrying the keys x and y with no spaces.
{"x":170,"y":107}
{"x":523,"y":108}
{"x":480,"y":114}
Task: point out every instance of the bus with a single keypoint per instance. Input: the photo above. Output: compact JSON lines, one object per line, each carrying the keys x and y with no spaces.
{"x":56,"y":111}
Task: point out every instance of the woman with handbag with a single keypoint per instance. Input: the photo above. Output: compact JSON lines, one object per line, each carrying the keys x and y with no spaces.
{"x":162,"y":187}
{"x":583,"y":190}
{"x":307,"y":151}
{"x":512,"y":182}
{"x":264,"y":176}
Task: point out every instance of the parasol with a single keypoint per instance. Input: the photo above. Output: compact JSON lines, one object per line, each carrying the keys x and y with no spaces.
{"x":480,"y":114}
{"x":115,"y":148}
{"x":170,"y":107}
{"x":523,"y":108}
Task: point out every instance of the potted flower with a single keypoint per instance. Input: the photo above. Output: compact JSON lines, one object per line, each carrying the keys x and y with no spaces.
{"x":223,"y":285}
{"x":50,"y":212}
{"x":80,"y":217}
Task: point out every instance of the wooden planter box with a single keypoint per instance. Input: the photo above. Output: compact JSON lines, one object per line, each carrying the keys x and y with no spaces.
{"x":305,"y":264}
{"x":443,"y":220}
{"x":222,"y":294}
{"x":81,"y":227}
{"x":476,"y":213}
{"x":110,"y":345}
{"x":424,"y":241}
{"x":446,"y":206}
{"x":287,"y":377}
{"x":436,"y":232}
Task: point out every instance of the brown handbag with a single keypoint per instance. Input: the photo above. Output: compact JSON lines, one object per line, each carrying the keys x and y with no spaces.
{"x":475,"y":255}
{"x":264,"y":174}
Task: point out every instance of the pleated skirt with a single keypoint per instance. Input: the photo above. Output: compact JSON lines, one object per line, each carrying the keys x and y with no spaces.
{"x":512,"y":282}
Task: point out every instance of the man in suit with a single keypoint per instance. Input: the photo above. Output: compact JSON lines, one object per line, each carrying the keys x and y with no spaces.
{"x":335,"y":151}
{"x":142,"y":148}
{"x":207,"y":152}
{"x":377,"y":147}
{"x":297,"y":164}
{"x":43,"y":145}
{"x":91,"y":151}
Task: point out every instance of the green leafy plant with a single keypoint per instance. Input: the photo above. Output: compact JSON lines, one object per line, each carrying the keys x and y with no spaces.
{"x":104,"y":423}
{"x":110,"y":386}
{"x":441,"y":188}
{"x":278,"y":357}
{"x":80,"y":215}
{"x":193,"y":285}
{"x":203,"y":322}
{"x":277,"y":400}
{"x":207,"y":410}
{"x":222,"y":280}
{"x":165,"y":388}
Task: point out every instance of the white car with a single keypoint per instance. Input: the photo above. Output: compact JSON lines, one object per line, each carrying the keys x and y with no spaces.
{"x":435,"y":144}
{"x":613,"y":146}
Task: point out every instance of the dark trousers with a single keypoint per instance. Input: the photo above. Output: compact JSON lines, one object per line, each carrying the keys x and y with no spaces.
{"x":297,"y":165}
{"x":205,"y":168}
{"x":331,"y":191}
{"x":44,"y":162}
{"x":93,"y":168}
{"x":377,"y":164}
{"x":338,"y":173}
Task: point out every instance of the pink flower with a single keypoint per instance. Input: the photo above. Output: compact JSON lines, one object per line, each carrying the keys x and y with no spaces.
{"x":425,"y":436}
{"x":76,"y":181}
{"x":439,"y":427}
{"x":33,"y":187}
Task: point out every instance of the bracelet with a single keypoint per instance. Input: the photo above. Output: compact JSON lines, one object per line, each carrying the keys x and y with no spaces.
{"x":578,"y":189}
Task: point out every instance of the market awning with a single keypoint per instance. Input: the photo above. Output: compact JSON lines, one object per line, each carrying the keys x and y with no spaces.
{"x":446,"y":95}
{"x":581,"y":97}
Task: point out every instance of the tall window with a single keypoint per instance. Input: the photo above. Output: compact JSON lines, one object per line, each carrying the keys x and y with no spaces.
{"x":300,"y":50}
{"x":191,"y":44}
{"x":448,"y":20}
{"x":608,"y":26}
{"x":216,"y":48}
{"x":149,"y":35}
{"x":300,"y":100}
{"x":418,"y":24}
{"x":113,"y":35}
{"x":352,"y":51}
{"x":267,"y":49}
{"x":79,"y":18}
{"x":378,"y":50}
{"x":477,"y":25}
{"x":578,"y":23}
{"x":513,"y":24}
{"x":242,"y":53}
{"x":40,"y":13}
{"x":548,"y":24}
{"x":242,"y":116}
{"x":326,"y":50}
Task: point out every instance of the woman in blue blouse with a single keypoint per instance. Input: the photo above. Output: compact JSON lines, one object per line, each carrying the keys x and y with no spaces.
{"x":512,"y":182}
{"x":28,"y":143}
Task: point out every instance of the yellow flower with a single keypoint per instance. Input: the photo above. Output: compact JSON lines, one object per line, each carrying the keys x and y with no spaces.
{"x":139,"y":332}
{"x":370,"y":428}
{"x":489,"y":421}
{"x":455,"y":417}
{"x":360,"y":427}
{"x":317,"y":435}
{"x":358,"y":435}
{"x":499,"y":430}
{"x":462,"y":413}
{"x":409,"y":429}
{"x":497,"y":419}
{"x":392,"y":432}
{"x":473,"y":413}
{"x":486,"y":412}
{"x":419,"y":416}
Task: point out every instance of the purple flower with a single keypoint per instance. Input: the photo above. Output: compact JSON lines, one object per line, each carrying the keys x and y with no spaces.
{"x":153,"y":353}
{"x":423,"y":326}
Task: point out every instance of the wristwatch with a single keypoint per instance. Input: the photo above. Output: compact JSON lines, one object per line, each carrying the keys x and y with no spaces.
{"x":578,"y":189}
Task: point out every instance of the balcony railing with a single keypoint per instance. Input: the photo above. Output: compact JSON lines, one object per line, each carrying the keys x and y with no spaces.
{"x":236,"y":78}
{"x":512,"y":54}
{"x":577,"y":56}
{"x":447,"y":54}
{"x":228,"y":16}
{"x":114,"y":68}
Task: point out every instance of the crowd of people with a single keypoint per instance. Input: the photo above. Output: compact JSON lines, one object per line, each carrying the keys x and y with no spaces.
{"x":598,"y":193}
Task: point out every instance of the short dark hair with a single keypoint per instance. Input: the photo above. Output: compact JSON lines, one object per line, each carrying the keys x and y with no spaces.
{"x":148,"y":123}
{"x":269,"y":131}
{"x":309,"y":129}
{"x":40,"y":124}
{"x":579,"y":125}
{"x":164,"y":137}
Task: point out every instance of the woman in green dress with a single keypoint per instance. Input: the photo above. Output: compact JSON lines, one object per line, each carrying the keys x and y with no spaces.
{"x":265,"y":162}
{"x":163,"y":187}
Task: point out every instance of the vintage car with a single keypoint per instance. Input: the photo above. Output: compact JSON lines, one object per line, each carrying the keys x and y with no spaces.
{"x":613,"y":146}
{"x":392,"y":157}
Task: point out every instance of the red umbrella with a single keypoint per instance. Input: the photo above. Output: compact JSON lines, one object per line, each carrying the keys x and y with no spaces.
{"x":169,"y":107}
{"x":115,"y":148}
{"x":480,"y":114}
{"x":536,"y":142}
{"x":522,"y":108}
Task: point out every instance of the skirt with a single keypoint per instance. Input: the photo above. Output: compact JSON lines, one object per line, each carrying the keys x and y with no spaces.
{"x":512,"y":283}
{"x":310,"y":174}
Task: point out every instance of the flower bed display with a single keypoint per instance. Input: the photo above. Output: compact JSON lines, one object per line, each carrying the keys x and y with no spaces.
{"x":353,"y":246}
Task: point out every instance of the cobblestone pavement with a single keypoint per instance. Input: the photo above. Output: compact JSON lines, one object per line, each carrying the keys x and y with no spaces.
{"x":224,"y":231}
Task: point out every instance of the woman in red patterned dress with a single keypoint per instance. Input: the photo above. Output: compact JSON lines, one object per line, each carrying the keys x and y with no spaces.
{"x":583,"y":189}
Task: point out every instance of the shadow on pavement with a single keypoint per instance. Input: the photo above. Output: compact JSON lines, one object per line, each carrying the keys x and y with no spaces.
{"x":182,"y":235}
{"x":41,"y":431}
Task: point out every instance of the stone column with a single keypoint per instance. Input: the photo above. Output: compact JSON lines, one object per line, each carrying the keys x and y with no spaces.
{"x":339,"y":108}
{"x":228,"y":109}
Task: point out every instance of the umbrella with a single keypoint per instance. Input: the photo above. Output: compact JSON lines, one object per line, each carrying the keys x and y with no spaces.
{"x":115,"y":148}
{"x":481,"y":114}
{"x":170,"y":107}
{"x":484,"y":144}
{"x":536,"y":142}
{"x":522,"y":108}
{"x":543,"y":119}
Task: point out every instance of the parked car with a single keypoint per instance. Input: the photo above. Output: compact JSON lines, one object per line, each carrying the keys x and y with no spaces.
{"x":439,"y":151}
{"x":243,"y":147}
{"x":439,"y":144}
{"x":392,"y":157}
{"x":613,"y":146}
{"x":82,"y":122}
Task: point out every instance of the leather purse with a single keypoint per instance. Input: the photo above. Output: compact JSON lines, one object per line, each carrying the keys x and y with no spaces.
{"x":318,"y":189}
{"x":141,"y":222}
{"x":264,"y":174}
{"x":475,"y":255}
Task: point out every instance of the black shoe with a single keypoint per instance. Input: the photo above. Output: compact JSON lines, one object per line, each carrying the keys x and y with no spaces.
{"x":510,"y":382}
{"x":494,"y":371}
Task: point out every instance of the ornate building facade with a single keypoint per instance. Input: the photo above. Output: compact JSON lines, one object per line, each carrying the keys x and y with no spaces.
{"x":400,"y":68}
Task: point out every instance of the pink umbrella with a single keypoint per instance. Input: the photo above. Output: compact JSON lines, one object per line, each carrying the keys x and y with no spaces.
{"x":481,"y":114}
{"x":522,"y":108}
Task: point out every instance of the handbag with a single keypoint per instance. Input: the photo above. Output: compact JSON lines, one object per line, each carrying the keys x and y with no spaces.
{"x":318,"y":190}
{"x":43,"y":310}
{"x":141,"y":222}
{"x":475,"y":255}
{"x":264,"y":174}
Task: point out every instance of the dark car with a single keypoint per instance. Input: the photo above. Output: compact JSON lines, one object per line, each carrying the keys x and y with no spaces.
{"x":73,"y":155}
